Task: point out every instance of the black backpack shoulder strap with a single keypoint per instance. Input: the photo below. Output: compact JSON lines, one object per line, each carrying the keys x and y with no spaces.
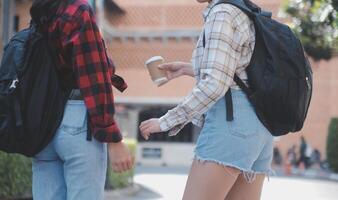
{"x":251,"y":10}
{"x":241,"y":5}
{"x":248,"y":7}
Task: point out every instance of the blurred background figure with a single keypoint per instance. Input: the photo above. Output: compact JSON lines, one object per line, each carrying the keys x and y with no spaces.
{"x":316,"y":159}
{"x":277,"y":157}
{"x":292,"y":156}
{"x":305,"y":152}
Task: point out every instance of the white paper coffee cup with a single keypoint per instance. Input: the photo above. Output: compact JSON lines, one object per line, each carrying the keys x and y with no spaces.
{"x":157,"y":75}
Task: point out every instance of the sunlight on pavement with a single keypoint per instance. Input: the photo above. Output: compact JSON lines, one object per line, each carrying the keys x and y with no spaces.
{"x":171,"y":187}
{"x":168,"y":183}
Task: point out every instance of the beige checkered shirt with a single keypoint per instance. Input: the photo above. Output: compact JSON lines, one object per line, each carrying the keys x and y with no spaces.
{"x":230,"y":40}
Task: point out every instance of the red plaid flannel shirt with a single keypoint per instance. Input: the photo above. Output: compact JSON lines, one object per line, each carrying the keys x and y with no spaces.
{"x":75,"y":32}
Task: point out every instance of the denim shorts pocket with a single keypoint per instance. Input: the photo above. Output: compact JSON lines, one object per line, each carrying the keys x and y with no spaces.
{"x":245,"y":123}
{"x":202,"y":141}
{"x":74,"y":119}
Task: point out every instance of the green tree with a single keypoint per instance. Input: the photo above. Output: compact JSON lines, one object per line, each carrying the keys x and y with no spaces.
{"x":332,"y":145}
{"x":316,"y":24}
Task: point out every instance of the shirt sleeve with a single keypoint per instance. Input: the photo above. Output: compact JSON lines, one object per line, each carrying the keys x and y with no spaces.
{"x":220,"y":59}
{"x":93,"y":72}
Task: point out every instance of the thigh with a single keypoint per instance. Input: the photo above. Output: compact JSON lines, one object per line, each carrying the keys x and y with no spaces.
{"x":242,"y":190}
{"x":208,"y":180}
{"x":48,"y":179}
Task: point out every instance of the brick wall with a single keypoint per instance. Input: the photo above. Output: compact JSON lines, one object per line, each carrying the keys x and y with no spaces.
{"x":130,"y":56}
{"x":164,"y":15}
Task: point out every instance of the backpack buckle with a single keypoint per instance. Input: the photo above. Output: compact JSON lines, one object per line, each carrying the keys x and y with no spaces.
{"x":14,"y":84}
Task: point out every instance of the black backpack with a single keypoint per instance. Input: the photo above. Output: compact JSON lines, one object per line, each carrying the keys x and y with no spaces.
{"x":32,"y":98}
{"x":279,"y":74}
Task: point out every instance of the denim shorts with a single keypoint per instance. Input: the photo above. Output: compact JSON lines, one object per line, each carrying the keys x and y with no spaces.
{"x":243,"y":143}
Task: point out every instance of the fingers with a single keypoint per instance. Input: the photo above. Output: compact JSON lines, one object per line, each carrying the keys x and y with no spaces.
{"x":123,"y":165}
{"x":146,"y":133}
{"x":145,"y":129}
{"x":172,"y":66}
{"x":175,"y":74}
{"x":144,"y":124}
{"x":120,"y":167}
{"x":149,"y":127}
{"x":120,"y":157}
{"x":166,"y":66}
{"x":130,"y":163}
{"x":117,"y":167}
{"x":173,"y":69}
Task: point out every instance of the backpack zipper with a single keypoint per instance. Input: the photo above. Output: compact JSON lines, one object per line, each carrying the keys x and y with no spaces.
{"x":308,"y":83}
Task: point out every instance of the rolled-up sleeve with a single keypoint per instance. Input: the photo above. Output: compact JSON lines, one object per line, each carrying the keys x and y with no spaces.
{"x":93,"y":71}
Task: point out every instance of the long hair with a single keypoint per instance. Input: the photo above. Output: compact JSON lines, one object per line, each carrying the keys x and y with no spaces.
{"x":42,"y":11}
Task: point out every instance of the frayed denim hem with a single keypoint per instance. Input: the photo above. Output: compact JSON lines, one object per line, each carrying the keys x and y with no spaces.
{"x":249,"y":175}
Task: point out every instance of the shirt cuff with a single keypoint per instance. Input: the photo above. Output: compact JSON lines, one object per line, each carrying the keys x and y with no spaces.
{"x":198,"y":121}
{"x":169,"y":125}
{"x":109,"y":134}
{"x":119,"y":83}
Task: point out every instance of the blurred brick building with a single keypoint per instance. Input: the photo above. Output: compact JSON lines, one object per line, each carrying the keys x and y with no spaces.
{"x":135,"y":30}
{"x":170,"y":28}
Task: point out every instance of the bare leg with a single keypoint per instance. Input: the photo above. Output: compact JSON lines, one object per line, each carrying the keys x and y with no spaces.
{"x":208,"y":180}
{"x":242,"y":190}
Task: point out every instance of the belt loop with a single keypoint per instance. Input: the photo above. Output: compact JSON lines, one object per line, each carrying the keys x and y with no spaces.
{"x":75,"y":95}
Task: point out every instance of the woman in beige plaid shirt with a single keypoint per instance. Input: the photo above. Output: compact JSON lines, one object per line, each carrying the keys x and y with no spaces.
{"x":232,"y":158}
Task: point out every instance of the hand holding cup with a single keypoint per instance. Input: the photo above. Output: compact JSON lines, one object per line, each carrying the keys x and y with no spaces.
{"x":158,"y":75}
{"x":176,"y":69}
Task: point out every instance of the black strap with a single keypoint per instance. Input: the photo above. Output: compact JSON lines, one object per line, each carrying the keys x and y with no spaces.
{"x":229,"y":105}
{"x":17,"y":110}
{"x":204,"y":39}
{"x":242,"y":85}
{"x":241,"y":5}
{"x":76,"y":95}
{"x":247,"y":7}
{"x":89,"y":132}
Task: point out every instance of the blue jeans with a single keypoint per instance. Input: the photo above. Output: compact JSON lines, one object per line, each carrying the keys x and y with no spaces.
{"x":71,"y":167}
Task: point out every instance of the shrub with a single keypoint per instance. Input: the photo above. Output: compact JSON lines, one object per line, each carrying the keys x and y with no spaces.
{"x":15,"y":176}
{"x":121,"y":180}
{"x":332,"y":145}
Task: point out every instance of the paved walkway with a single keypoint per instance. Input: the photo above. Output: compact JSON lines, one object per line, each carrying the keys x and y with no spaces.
{"x":168,"y":184}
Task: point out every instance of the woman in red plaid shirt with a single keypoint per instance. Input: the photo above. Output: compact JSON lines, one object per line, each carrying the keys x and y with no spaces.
{"x":73,"y":166}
